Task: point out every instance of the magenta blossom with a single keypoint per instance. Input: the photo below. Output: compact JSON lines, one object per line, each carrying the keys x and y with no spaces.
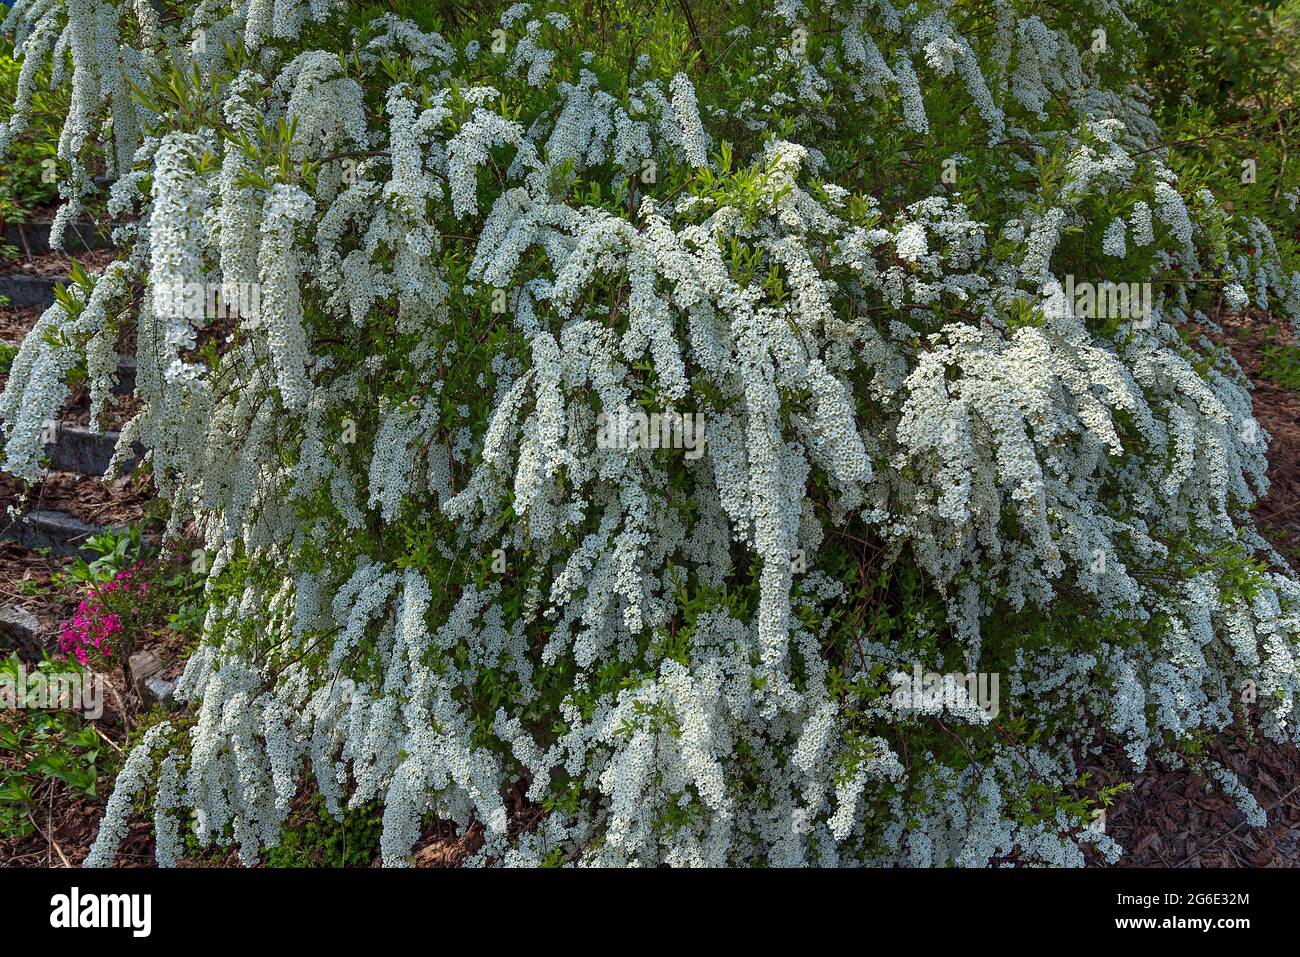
{"x":90,"y":629}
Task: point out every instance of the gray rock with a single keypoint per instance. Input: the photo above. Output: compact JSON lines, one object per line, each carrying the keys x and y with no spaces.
{"x":63,"y":534}
{"x":159,"y":690}
{"x":25,"y":291}
{"x":19,"y":630}
{"x":77,"y":449}
{"x":143,"y":665}
{"x":125,"y":375}
{"x":148,"y":681}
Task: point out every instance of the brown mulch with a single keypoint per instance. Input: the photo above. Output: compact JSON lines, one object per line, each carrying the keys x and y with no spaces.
{"x":1277,"y":409}
{"x":16,"y":323}
{"x":441,"y":846}
{"x":26,"y":580}
{"x":123,"y":501}
{"x":1174,"y":818}
{"x":55,"y":265}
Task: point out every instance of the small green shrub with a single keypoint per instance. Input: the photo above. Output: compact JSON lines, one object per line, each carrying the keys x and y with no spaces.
{"x":29,"y":176}
{"x":40,"y":745}
{"x":1282,"y":365}
{"x":321,"y":840}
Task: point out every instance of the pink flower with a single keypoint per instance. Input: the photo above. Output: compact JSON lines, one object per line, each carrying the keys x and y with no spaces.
{"x":93,"y":623}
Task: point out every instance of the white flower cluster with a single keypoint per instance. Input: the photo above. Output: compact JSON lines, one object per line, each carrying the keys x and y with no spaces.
{"x":433,"y":584}
{"x":132,"y":780}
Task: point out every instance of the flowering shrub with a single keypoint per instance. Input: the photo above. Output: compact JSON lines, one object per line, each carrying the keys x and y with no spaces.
{"x":130,"y":594}
{"x":99,"y":615}
{"x":89,"y":630}
{"x":838,"y":235}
